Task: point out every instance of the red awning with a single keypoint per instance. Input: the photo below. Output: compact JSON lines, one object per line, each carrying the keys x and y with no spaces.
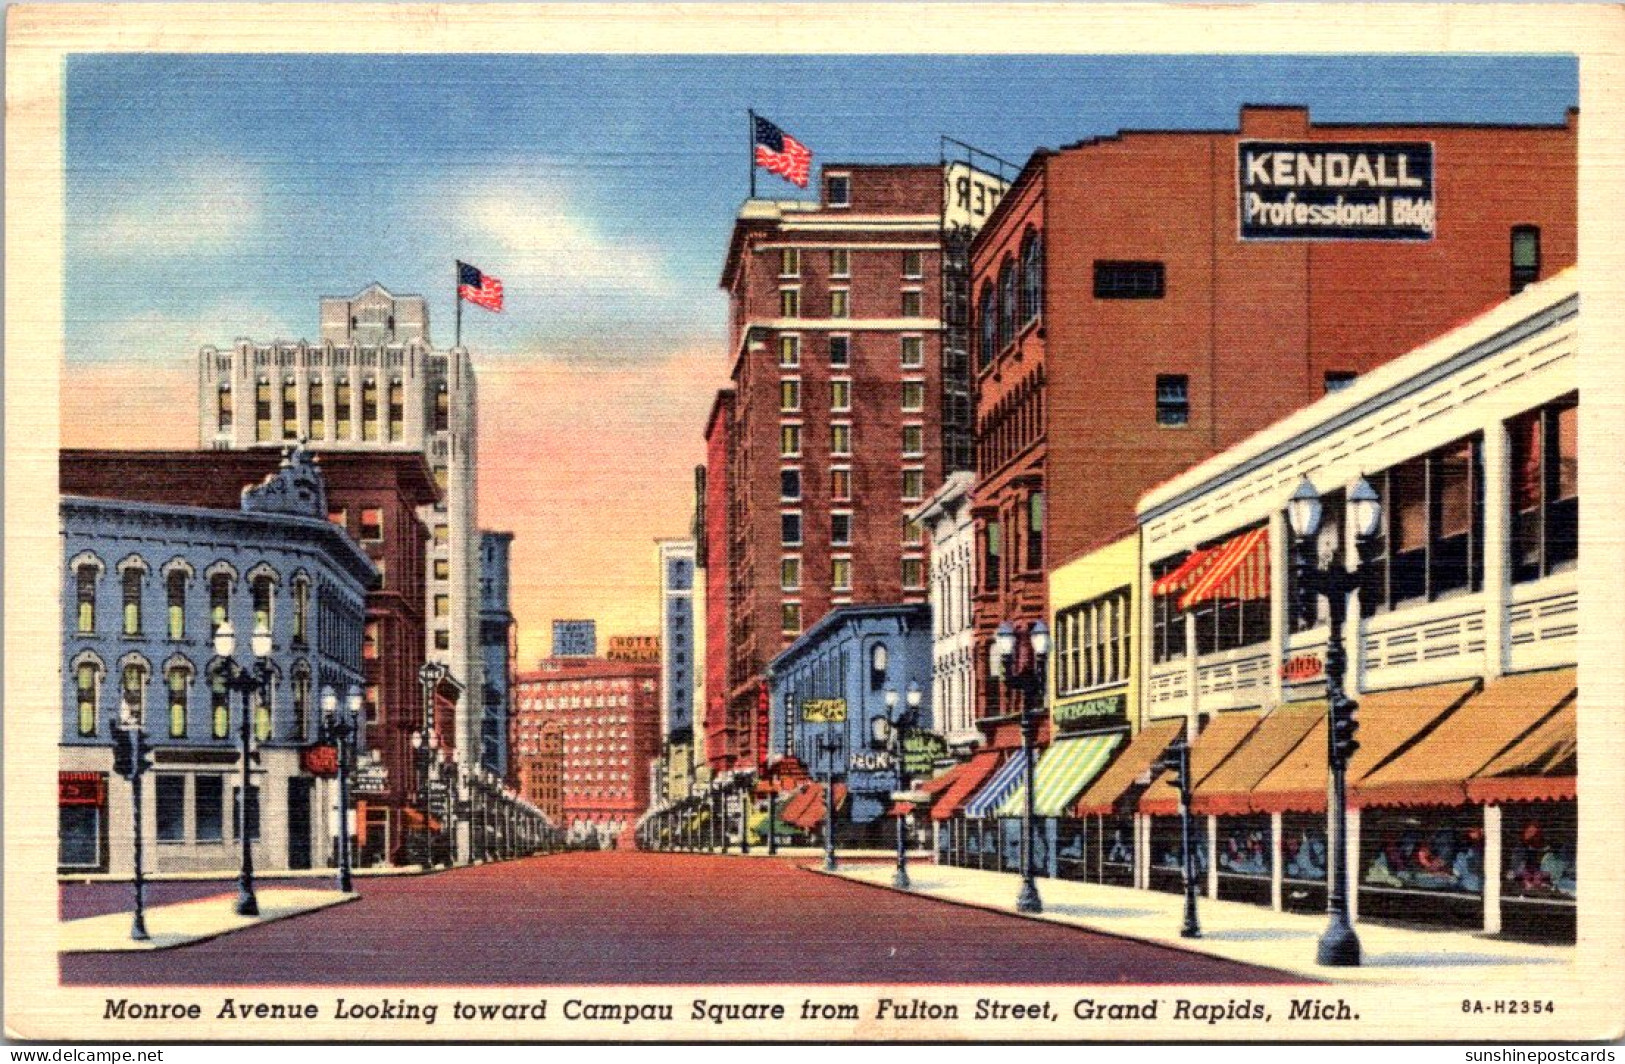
{"x":930,"y":788}
{"x":1239,"y":569}
{"x":1181,"y":576}
{"x":966,"y":782}
{"x":414,"y":819}
{"x":812,"y":813}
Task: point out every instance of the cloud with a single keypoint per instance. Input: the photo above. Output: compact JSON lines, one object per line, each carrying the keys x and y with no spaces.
{"x":150,"y":337}
{"x":205,"y":206}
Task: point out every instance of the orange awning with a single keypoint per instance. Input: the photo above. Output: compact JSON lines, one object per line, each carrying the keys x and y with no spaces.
{"x":1539,"y":767}
{"x":1388,"y":721}
{"x":1224,"y":733}
{"x":1227,"y":790}
{"x":1182,"y":575}
{"x":810,"y":813}
{"x":796,"y":807}
{"x":1123,"y":774}
{"x":1435,"y":770}
{"x":930,"y":788}
{"x":414,"y":819}
{"x":1239,"y":569}
{"x":966,"y":782}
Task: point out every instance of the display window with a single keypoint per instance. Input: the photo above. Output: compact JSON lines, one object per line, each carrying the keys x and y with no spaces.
{"x":1539,"y":877}
{"x":1115,"y":836}
{"x":1303,"y":862}
{"x":1244,"y":856}
{"x":1071,"y":848}
{"x":1422,"y":865}
{"x":1167,"y":852}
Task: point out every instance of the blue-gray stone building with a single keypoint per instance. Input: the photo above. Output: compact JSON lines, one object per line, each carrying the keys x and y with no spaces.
{"x":144,"y":587}
{"x":497,"y":650}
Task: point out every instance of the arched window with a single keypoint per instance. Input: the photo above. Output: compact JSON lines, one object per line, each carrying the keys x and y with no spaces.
{"x":301,"y":702}
{"x":219,"y":600}
{"x":175,"y":590}
{"x":88,"y":681}
{"x":178,"y":679}
{"x":301,"y":610}
{"x":987,"y":316}
{"x":219,"y":705}
{"x":1009,"y":302}
{"x":132,"y":573}
{"x":262,"y":588}
{"x":1032,"y":277}
{"x":134,"y":689}
{"x":85,"y":575}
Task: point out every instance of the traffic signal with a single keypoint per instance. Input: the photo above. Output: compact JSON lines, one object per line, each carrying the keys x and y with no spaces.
{"x":1344,"y":725}
{"x":123,"y":753}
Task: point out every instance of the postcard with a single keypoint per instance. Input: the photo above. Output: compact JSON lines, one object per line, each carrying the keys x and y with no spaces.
{"x":841,"y":523}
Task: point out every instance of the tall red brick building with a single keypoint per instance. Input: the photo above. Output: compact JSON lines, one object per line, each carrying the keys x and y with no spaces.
{"x":538,"y":763}
{"x":1146,"y":300}
{"x":375,"y":496}
{"x":608,"y":714}
{"x":831,"y":431}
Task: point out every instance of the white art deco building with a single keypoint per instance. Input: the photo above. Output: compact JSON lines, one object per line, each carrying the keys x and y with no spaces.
{"x":372,"y":382}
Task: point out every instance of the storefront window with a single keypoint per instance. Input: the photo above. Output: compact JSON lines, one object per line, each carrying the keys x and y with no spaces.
{"x":1168,"y":850}
{"x":79,"y":829}
{"x":1116,"y":836}
{"x":208,"y":808}
{"x":1244,"y":846}
{"x":171,"y":808}
{"x":1539,"y":840}
{"x":1071,"y":849}
{"x":1427,"y":851}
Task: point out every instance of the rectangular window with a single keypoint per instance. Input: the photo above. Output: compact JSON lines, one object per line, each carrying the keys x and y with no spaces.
{"x":913,"y":484}
{"x":840,"y":530}
{"x":262,"y":410}
{"x":442,"y":409}
{"x":290,"y":409}
{"x":790,"y":529}
{"x":1167,"y":622}
{"x":913,"y":304}
{"x":790,"y":618}
{"x":913,"y":441}
{"x":913,"y":532}
{"x":789,"y":262}
{"x":1431,"y":543}
{"x":219,"y":707}
{"x":253,"y":812}
{"x":913,"y":352}
{"x":840,"y":262}
{"x":913,"y":396}
{"x":840,"y":439}
{"x":1338,"y":379}
{"x":838,"y":189}
{"x":790,"y":485}
{"x":171,"y":808}
{"x":840,"y":350}
{"x":840,"y":574}
{"x":789,"y":396}
{"x":223,"y":408}
{"x":1128,"y":280}
{"x":369,"y":641}
{"x":1035,"y":531}
{"x":789,"y":440}
{"x":132,"y":601}
{"x":840,"y":484}
{"x":442,"y":535}
{"x":397,"y":411}
{"x":442,"y":605}
{"x":913,"y":264}
{"x":177,"y":704}
{"x":341,"y":409}
{"x":840,"y":394}
{"x":789,"y":352}
{"x":789,"y":574}
{"x":840,"y":305}
{"x":442,"y":639}
{"x":1545,"y":496}
{"x":369,"y":409}
{"x":372,"y":524}
{"x":1173,"y":399}
{"x":913,"y":574}
{"x":789,"y":302}
{"x":1525,"y":256}
{"x":369,"y":702}
{"x":85,"y":583}
{"x":208,"y":807}
{"x":442,"y":569}
{"x":318,"y":411}
{"x":991,"y":546}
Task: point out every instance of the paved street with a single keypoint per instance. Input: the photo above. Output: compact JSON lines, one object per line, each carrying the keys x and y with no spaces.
{"x":628,"y":917}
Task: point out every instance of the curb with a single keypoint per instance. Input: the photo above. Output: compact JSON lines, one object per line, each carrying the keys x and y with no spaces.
{"x":342,"y":899}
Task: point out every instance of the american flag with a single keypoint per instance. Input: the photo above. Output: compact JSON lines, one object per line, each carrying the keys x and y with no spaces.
{"x":779,"y":153}
{"x":477,"y":287}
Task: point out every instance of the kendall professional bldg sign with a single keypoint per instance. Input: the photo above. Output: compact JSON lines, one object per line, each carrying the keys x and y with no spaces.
{"x":1321,"y":190}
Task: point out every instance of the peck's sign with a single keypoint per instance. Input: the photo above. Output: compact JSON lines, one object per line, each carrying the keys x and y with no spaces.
{"x":1322,"y":190}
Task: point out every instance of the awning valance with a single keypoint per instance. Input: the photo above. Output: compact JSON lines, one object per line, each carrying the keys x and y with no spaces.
{"x":1435,"y":770}
{"x":1212,"y":748}
{"x":994,"y":792}
{"x":1066,"y":768}
{"x":1102,"y":796}
{"x":1388,"y":721}
{"x":966,"y":782}
{"x":1180,"y":577}
{"x":1539,"y":767}
{"x":1227,"y":790}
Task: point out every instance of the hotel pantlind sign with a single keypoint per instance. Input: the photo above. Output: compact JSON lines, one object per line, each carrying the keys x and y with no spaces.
{"x":1323,"y":190}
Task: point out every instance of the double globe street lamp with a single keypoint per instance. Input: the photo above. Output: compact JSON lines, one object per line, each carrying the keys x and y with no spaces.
{"x":246,"y":681}
{"x":1017,"y":659}
{"x":340,"y":728}
{"x":888,"y":732}
{"x":1339,"y":945}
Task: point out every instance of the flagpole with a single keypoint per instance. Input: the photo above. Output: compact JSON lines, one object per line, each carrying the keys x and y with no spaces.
{"x":750,"y":120}
{"x":457,"y":298}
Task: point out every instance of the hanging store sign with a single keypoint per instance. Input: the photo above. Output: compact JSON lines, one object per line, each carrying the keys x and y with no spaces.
{"x":81,"y":788}
{"x":922,"y":750}
{"x":373,"y":779}
{"x":319,"y":759}
{"x":1324,"y":190}
{"x":871,"y":761}
{"x":1302,"y":668}
{"x":1091,"y":712}
{"x":824,"y":710}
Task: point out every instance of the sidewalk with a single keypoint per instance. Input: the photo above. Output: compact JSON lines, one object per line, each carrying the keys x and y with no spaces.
{"x":1231,"y":930}
{"x":232,"y":873}
{"x":186,"y":922}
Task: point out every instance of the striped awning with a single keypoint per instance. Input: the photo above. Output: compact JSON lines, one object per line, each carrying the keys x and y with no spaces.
{"x":1238,"y":569}
{"x":1180,"y":577}
{"x":1065,"y":769}
{"x":996,"y":790}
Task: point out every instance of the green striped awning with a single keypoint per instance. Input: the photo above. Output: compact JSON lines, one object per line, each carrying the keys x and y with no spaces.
{"x":1066,"y":768}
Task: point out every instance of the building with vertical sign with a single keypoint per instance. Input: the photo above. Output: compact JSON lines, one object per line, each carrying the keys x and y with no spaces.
{"x":498,"y":650}
{"x":831,"y":431}
{"x":1145,"y":300}
{"x":682,"y":662}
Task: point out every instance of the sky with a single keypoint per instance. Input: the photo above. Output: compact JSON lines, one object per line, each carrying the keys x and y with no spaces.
{"x":212,"y":197}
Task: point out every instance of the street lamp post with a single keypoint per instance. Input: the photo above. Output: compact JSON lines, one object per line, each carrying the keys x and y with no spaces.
{"x":246,"y":682}
{"x":430,"y":674}
{"x":1018,"y":659}
{"x":888,"y":734}
{"x":1339,"y":945}
{"x":830,"y":746}
{"x":448,"y":780}
{"x":130,"y":760}
{"x":340,"y":729}
{"x":743,"y":785}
